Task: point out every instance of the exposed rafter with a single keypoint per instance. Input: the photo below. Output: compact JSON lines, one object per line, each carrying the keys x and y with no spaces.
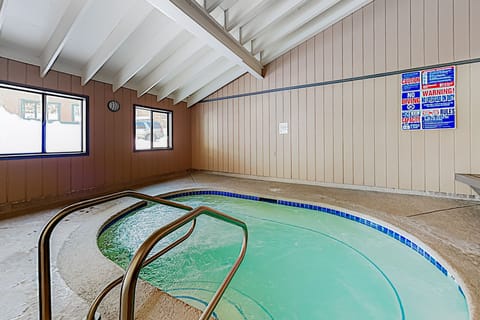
{"x":227,"y":77}
{"x":196,"y":20}
{"x":54,"y":46}
{"x":210,"y":5}
{"x":149,"y":49}
{"x":3,"y":14}
{"x":184,"y":75}
{"x":316,"y":25}
{"x":212,"y":71}
{"x":267,"y":17}
{"x":135,"y":16}
{"x":276,"y":32}
{"x":244,"y":11}
{"x":170,"y":65}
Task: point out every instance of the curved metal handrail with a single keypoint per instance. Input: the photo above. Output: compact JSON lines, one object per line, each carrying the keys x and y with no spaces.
{"x":127,"y":295}
{"x":114,"y":283}
{"x":44,"y":272}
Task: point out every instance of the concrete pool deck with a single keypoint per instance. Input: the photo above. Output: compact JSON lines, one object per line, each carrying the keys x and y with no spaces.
{"x":449,"y":226}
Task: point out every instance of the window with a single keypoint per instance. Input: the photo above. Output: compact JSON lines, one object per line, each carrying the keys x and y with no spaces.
{"x":34,"y":122}
{"x":153,"y":129}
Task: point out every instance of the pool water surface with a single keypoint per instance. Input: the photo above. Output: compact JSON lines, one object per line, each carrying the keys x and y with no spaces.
{"x":300,"y":264}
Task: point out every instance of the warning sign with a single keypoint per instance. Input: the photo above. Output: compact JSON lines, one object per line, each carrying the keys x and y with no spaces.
{"x":428,"y":99}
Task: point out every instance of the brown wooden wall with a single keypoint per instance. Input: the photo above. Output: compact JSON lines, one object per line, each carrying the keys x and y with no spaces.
{"x":349,"y":133}
{"x":111,"y":164}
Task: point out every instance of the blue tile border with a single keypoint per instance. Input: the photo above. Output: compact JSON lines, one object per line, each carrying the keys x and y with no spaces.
{"x":391,"y":233}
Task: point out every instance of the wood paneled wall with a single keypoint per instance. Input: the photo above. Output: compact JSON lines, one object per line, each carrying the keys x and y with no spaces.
{"x":349,"y":133}
{"x":111,"y":164}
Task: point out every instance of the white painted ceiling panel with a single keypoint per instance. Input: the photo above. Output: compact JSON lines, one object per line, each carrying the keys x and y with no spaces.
{"x":133,"y":43}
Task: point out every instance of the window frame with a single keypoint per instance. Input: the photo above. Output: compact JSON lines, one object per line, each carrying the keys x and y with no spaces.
{"x":168,"y":129}
{"x":44,"y":93}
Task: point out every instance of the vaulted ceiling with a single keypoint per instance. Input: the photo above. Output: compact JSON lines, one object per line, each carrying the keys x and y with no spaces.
{"x":182,"y":49}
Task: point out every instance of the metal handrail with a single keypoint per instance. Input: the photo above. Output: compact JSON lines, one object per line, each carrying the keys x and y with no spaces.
{"x":44,"y":272}
{"x":127,"y":295}
{"x":114,"y":283}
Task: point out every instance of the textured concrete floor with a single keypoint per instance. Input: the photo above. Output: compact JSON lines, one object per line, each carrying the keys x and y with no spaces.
{"x":450,"y":227}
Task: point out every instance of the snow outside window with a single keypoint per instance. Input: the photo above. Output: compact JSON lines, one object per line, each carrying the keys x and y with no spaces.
{"x":153,"y":129}
{"x":40,"y":123}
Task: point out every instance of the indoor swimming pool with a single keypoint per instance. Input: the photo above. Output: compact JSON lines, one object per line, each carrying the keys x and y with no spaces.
{"x":302,"y":262}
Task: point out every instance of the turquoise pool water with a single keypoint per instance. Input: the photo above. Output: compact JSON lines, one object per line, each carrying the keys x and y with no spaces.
{"x":300,"y":264}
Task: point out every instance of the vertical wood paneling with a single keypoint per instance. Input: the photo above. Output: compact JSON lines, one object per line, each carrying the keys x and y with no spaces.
{"x":287,"y":150}
{"x":99,"y":134}
{"x":475,"y":119}
{"x":404,"y":138}
{"x":379,"y":106}
{"x":350,"y":133}
{"x":236,"y":131}
{"x":272,"y":110}
{"x":418,"y":57}
{"x":241,"y":127}
{"x":337,"y":104}
{"x":253,"y":127}
{"x":432,"y":138}
{"x":280,"y":118}
{"x":447,"y":138}
{"x":259,"y":135}
{"x":391,"y":35}
{"x":310,"y":127}
{"x":462,"y":132}
{"x":347,"y":64}
{"x":302,"y":112}
{"x":474,"y":27}
{"x":89,"y":163}
{"x":265,"y":129}
{"x":230,"y":128}
{"x":404,"y":33}
{"x":392,"y":120}
{"x":319,"y":112}
{"x":294,"y":115}
{"x":328,"y":104}
{"x":248,"y":128}
{"x":358,"y":163}
{"x":368,"y":96}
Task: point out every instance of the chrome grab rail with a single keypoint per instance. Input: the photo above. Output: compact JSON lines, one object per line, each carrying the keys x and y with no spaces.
{"x":44,"y":272}
{"x":114,"y":283}
{"x":127,"y":295}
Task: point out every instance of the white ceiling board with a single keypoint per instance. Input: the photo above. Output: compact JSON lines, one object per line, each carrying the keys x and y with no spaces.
{"x":135,"y":43}
{"x":184,"y":76}
{"x":330,"y":17}
{"x":267,"y":17}
{"x":275,"y":32}
{"x":127,"y":24}
{"x":147,"y":51}
{"x":245,"y":10}
{"x":30,"y":23}
{"x":210,"y":72}
{"x":227,"y":77}
{"x":171,"y":65}
{"x":3,"y":11}
{"x":154,"y":24}
{"x":194,"y":19}
{"x":94,"y":27}
{"x":62,"y":32}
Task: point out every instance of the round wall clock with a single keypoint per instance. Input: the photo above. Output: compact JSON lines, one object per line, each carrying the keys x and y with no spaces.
{"x":113,"y":105}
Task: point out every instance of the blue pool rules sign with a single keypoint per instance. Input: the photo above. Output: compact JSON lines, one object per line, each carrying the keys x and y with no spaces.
{"x":428,"y":99}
